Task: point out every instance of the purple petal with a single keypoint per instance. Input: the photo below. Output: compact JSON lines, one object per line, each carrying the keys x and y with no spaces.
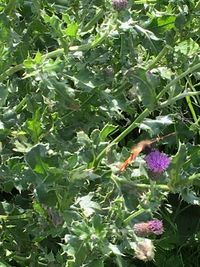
{"x":156,"y":227}
{"x":157,"y":162}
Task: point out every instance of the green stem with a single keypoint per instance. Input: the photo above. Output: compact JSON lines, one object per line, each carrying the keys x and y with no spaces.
{"x":173,"y":82}
{"x":118,"y":260}
{"x":193,"y":177}
{"x":143,"y":186}
{"x":193,"y":88}
{"x":188,"y":181}
{"x":10,"y":6}
{"x":11,"y":71}
{"x":133,"y":215}
{"x":93,"y":21}
{"x":15,"y":217}
{"x":53,"y":54}
{"x":21,"y":105}
{"x":139,"y":2}
{"x":162,"y":53}
{"x":189,"y":102}
{"x":176,"y":98}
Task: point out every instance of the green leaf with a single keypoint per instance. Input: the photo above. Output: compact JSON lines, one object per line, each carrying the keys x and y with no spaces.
{"x":39,"y":209}
{"x":180,"y":21}
{"x":88,"y":205}
{"x":165,"y":73}
{"x":34,"y":126}
{"x":193,"y":157}
{"x":107,"y":129}
{"x":188,"y":47}
{"x":3,"y":94}
{"x":72,"y":29}
{"x":143,"y":87}
{"x":21,"y":147}
{"x":190,"y":197}
{"x":66,"y":18}
{"x":177,"y":162}
{"x":64,"y":92}
{"x":4,"y":264}
{"x":72,"y":161}
{"x":96,"y":263}
{"x":115,"y":249}
{"x":35,"y":158}
{"x":84,"y":79}
{"x":28,"y":63}
{"x":45,"y":196}
{"x":154,"y":127}
{"x":95,"y":136}
{"x":81,"y":173}
{"x":38,"y":58}
{"x":1,"y":126}
{"x":83,"y":138}
{"x":147,"y":33}
{"x":166,"y":22}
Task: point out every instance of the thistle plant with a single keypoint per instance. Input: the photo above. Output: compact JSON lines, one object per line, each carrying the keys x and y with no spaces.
{"x":76,"y":78}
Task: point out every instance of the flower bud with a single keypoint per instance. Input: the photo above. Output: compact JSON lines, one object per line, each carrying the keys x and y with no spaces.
{"x":141,"y":229}
{"x":147,"y":228}
{"x":144,"y":250}
{"x":120,"y":4}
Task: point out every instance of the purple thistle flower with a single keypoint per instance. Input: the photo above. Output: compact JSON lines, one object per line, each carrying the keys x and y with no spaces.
{"x":147,"y":228}
{"x":156,"y":227}
{"x":120,"y":4}
{"x":157,"y":162}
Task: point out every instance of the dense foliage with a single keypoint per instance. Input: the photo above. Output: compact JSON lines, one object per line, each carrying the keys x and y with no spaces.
{"x":81,"y":82}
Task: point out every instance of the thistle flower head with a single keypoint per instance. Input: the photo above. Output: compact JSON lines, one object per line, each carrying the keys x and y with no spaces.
{"x":119,"y":4}
{"x":156,"y":227}
{"x":141,"y":229}
{"x":157,"y":162}
{"x":144,"y":250}
{"x":147,"y":228}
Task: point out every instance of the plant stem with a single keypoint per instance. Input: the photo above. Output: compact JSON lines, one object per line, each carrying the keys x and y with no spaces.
{"x":194,"y":177}
{"x":118,"y":260}
{"x":189,"y":102}
{"x":93,"y":21}
{"x":15,"y":217}
{"x":133,"y":215}
{"x":162,"y":53}
{"x":53,"y":54}
{"x":173,"y":82}
{"x":11,"y":71}
{"x":145,"y":186}
{"x":178,"y":97}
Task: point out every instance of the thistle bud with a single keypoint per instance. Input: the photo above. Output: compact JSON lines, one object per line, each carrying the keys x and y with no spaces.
{"x":141,"y":229}
{"x":120,"y":4}
{"x":144,"y":250}
{"x":147,"y":228}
